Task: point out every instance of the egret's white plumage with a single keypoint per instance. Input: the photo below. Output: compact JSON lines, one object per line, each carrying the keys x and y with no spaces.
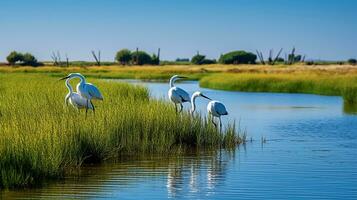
{"x":216,"y":109}
{"x":176,"y":94}
{"x":76,"y":100}
{"x":193,"y":100}
{"x":86,"y":90}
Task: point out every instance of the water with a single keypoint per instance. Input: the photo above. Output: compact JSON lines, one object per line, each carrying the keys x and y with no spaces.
{"x":310,"y":153}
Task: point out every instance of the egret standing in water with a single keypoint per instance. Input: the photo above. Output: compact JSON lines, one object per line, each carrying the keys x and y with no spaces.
{"x":176,"y":94}
{"x":216,"y":109}
{"x":86,"y":90}
{"x":193,"y":100}
{"x":76,"y":100}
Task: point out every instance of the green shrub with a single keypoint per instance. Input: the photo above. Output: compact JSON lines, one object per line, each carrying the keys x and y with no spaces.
{"x":141,"y":58}
{"x":182,"y":60}
{"x":297,"y":58}
{"x":310,"y":62}
{"x":238,"y":57}
{"x":29,"y":60}
{"x":280,"y":59}
{"x":197,"y":59}
{"x":155,"y":60}
{"x":208,"y":61}
{"x":202,"y":60}
{"x":123,"y":56}
{"x":26,"y":59}
{"x":352,"y":61}
{"x":14,"y":57}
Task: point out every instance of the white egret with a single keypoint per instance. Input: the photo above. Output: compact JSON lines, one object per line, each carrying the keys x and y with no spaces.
{"x":216,"y":109}
{"x":86,"y":90}
{"x":193,"y":100}
{"x":76,"y":100}
{"x":176,"y":94}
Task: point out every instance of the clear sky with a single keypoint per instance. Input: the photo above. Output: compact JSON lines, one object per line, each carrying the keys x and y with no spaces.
{"x":321,"y":29}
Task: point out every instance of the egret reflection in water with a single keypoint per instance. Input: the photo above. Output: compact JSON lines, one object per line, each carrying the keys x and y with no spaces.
{"x":183,"y":173}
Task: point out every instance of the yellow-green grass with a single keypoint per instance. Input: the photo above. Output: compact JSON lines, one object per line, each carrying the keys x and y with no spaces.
{"x":324,"y":84}
{"x":41,"y":138}
{"x":193,"y":71}
{"x":122,"y":72}
{"x":324,"y":80}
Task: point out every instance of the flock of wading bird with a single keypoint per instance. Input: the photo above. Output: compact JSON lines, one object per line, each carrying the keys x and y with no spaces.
{"x":86,"y":92}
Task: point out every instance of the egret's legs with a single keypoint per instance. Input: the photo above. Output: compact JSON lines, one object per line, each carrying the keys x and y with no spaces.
{"x":181,"y":107}
{"x":92,"y":106}
{"x":220,"y":125}
{"x":87,"y":108}
{"x":212,"y":119}
{"x":175,"y":107}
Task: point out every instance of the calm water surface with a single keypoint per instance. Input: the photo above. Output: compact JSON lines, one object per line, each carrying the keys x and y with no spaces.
{"x":310,"y":153}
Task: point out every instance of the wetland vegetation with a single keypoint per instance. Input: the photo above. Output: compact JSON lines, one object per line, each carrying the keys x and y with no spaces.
{"x":338,"y":80}
{"x":323,"y":84}
{"x":43,"y":139}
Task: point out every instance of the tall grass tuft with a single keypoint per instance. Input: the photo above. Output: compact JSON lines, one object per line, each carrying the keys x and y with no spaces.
{"x":41,"y":138}
{"x":324,"y":84}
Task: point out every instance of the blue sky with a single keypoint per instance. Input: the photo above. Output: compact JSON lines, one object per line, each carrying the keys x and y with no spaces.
{"x":321,"y":29}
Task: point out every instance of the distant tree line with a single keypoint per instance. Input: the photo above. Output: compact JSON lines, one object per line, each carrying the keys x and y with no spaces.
{"x":139,"y":57}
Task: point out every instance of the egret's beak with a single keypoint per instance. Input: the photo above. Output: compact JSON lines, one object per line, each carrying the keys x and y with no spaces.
{"x":63,"y":78}
{"x":205,"y":97}
{"x":183,"y":77}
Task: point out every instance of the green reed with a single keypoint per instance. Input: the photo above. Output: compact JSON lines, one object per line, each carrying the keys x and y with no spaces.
{"x":41,"y":138}
{"x":323,"y":84}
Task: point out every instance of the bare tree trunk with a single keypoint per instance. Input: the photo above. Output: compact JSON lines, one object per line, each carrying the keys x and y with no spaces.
{"x":158,"y":56}
{"x":96,"y":58}
{"x":257,"y":55}
{"x":292,"y":56}
{"x":99,"y":58}
{"x":277,"y":56}
{"x":260,"y":56}
{"x":270,"y":59}
{"x":67,"y":61}
{"x":59,"y":58}
{"x":54,"y":58}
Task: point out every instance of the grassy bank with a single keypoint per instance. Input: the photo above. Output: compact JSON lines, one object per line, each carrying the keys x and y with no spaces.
{"x":121,"y":72}
{"x":323,"y":84}
{"x":338,"y":80}
{"x":192,"y":71}
{"x":40,"y":138}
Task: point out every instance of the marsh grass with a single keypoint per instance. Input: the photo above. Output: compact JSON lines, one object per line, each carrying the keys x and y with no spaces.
{"x":41,"y":138}
{"x":326,"y":80}
{"x":323,"y":84}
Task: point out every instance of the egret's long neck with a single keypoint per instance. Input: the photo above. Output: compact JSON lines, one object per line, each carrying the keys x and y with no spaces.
{"x":193,"y":103}
{"x":68,"y":85}
{"x":172,"y":80}
{"x":83,"y":80}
